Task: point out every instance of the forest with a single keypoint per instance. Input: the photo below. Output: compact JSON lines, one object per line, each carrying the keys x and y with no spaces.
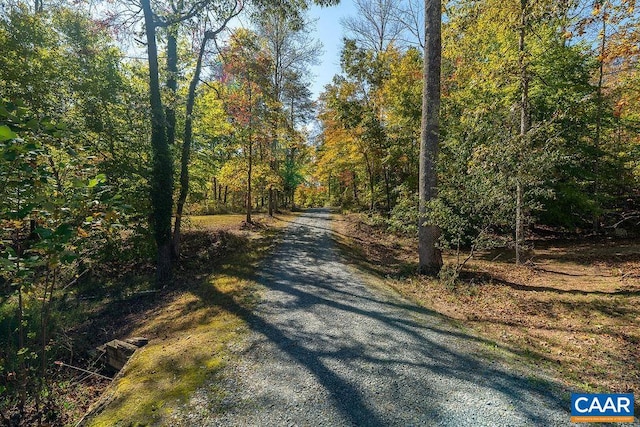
{"x":121,"y":121}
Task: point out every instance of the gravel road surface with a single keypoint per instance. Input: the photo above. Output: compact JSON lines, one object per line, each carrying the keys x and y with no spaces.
{"x":327,"y":350}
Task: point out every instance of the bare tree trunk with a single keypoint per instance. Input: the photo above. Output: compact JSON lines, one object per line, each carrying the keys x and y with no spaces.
{"x":372,"y":202}
{"x":519,"y":227}
{"x":162,"y":170}
{"x":249,"y":169}
{"x":387,"y":190}
{"x":172,"y":83}
{"x":355,"y":188}
{"x":430,"y":258}
{"x":186,"y":148}
{"x":597,"y":136}
{"x":22,"y":366}
{"x":524,"y":125}
{"x":270,"y":201}
{"x":293,"y":199}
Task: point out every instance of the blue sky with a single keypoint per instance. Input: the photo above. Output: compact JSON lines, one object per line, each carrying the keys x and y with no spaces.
{"x":330,"y":33}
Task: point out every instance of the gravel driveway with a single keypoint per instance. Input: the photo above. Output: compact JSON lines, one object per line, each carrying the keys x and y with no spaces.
{"x":326,"y":350}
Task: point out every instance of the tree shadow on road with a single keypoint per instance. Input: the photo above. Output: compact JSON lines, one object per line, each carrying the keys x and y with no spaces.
{"x":408,"y":346}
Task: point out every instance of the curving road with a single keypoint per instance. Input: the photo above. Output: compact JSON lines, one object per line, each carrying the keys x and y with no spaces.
{"x":326,"y":350}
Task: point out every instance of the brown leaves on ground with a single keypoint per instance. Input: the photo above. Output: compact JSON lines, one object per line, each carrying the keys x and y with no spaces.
{"x":573,"y":308}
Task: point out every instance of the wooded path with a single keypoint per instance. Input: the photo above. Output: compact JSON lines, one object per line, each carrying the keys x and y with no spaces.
{"x":327,"y":350}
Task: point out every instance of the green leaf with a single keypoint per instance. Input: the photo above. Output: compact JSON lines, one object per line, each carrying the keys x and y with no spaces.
{"x":67,"y":257}
{"x":33,"y":124}
{"x":6,"y":133}
{"x":7,"y":265}
{"x":44,"y":233}
{"x":99,"y":179}
{"x":64,"y":230}
{"x":10,"y":155}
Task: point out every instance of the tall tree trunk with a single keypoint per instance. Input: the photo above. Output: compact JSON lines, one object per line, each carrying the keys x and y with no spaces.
{"x":524,"y":126}
{"x":387,"y":189}
{"x":172,"y":83}
{"x":186,"y":148}
{"x":430,"y":258}
{"x":355,"y":188}
{"x":372,"y":202}
{"x":249,"y":169}
{"x":270,"y":201}
{"x":162,"y":169}
{"x":599,"y":111}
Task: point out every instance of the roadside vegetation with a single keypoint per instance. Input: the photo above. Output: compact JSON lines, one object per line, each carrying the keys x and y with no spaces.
{"x":187,"y":325}
{"x":108,"y":152}
{"x":121,"y":124}
{"x":571,"y":312}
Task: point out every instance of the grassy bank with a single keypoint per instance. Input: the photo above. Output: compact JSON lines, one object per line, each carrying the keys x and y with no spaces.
{"x":191,"y":329}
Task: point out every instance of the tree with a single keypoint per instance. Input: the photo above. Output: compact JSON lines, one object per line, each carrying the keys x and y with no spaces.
{"x":430,"y":258}
{"x":376,"y":26}
{"x":246,"y":77}
{"x":524,"y":117}
{"x":61,"y":97}
{"x":162,"y":171}
{"x":230,"y":11}
{"x":292,"y":51}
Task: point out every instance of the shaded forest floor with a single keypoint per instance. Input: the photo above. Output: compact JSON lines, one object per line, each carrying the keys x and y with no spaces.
{"x":186,"y":323}
{"x":573,"y":309}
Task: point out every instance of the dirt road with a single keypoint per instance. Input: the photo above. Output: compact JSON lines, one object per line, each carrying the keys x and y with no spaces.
{"x":327,"y":350}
